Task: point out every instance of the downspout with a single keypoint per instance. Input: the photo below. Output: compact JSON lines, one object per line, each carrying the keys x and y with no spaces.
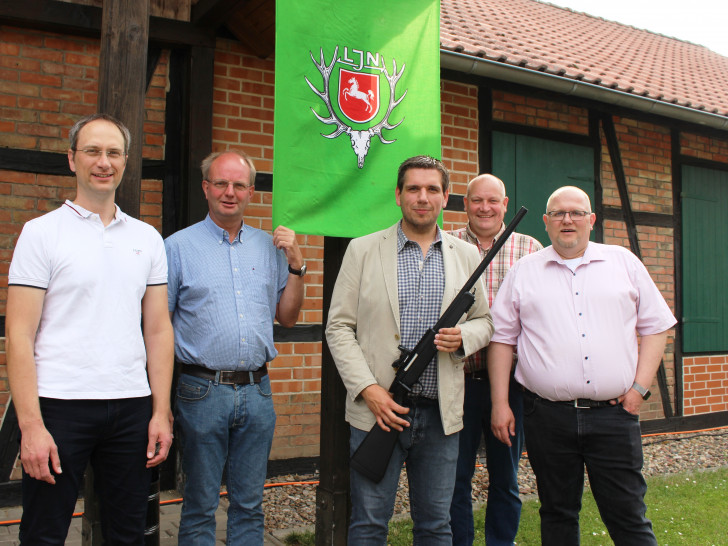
{"x":569,"y":87}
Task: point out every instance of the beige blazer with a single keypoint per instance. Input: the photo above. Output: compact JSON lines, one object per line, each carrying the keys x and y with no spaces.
{"x":363,"y":325}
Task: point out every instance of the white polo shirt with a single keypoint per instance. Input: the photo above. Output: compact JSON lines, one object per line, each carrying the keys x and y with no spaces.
{"x":89,"y":343}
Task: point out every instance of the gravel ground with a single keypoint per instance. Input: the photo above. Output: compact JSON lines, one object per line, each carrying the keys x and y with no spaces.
{"x":294,"y":506}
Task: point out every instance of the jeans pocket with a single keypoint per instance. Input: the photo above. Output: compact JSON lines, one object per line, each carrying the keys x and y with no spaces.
{"x":264,"y":388}
{"x":191,"y":389}
{"x":620,"y":409}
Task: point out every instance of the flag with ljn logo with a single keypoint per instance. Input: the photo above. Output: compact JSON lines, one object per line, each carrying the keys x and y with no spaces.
{"x":357,"y":91}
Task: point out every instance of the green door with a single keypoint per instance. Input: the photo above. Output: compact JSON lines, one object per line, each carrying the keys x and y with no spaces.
{"x":704,"y":201}
{"x":532,"y":168}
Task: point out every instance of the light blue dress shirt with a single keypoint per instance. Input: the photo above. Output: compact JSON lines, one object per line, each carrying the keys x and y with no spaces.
{"x":224,"y":295}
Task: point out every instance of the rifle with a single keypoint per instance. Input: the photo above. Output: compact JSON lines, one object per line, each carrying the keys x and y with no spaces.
{"x":372,"y":456}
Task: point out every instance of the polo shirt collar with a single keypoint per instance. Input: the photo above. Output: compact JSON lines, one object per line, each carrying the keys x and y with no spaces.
{"x":119,"y":215}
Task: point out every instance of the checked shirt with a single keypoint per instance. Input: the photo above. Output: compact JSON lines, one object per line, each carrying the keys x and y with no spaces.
{"x":516,"y":247}
{"x":420,"y":286}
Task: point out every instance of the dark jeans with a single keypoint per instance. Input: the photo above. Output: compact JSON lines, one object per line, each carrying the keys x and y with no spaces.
{"x":112,"y":435}
{"x":503,"y":511}
{"x":561,"y":440}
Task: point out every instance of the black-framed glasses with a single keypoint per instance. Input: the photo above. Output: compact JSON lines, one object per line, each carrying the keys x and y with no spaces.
{"x":222,"y":185}
{"x":113,"y":154}
{"x":575,"y":215}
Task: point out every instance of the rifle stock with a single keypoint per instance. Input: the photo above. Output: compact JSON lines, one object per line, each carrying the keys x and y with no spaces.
{"x":372,"y":456}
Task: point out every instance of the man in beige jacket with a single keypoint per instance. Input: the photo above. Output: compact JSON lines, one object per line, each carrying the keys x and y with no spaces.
{"x":393,"y":285}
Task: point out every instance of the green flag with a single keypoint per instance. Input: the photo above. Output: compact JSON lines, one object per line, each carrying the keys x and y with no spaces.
{"x":357,"y":92}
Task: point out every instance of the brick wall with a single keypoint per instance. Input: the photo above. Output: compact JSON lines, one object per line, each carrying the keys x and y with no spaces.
{"x":537,"y":112}
{"x":706,"y":384}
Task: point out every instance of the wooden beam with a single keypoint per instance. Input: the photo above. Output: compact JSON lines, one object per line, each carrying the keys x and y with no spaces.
{"x":81,"y":20}
{"x":122,"y":84}
{"x":332,"y":493}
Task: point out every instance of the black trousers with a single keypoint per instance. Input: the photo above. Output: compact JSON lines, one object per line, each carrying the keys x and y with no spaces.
{"x":112,"y":435}
{"x":561,"y":441}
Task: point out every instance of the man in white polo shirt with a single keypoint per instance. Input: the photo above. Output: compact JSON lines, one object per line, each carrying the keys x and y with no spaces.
{"x":90,"y":381}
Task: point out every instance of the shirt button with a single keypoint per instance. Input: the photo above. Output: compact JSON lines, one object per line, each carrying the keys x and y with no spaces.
{"x":235,"y":268}
{"x":238,"y":292}
{"x":240,"y":315}
{"x":242,"y":362}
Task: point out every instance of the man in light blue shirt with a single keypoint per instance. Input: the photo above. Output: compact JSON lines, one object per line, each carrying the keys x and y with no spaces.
{"x":227,"y":283}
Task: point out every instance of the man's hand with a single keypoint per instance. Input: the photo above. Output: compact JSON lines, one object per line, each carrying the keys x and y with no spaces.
{"x":631,"y":401}
{"x":37,"y":448}
{"x":285,"y":239}
{"x":503,"y":423}
{"x":384,"y":408}
{"x":449,"y":340}
{"x":160,"y":439}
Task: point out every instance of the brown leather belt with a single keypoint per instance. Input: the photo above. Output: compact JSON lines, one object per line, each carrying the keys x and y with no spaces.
{"x":225,"y":377}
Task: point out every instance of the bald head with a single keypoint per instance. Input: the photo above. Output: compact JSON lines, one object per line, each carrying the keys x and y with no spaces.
{"x":489,"y":181}
{"x":486,"y":204}
{"x":571,"y":191}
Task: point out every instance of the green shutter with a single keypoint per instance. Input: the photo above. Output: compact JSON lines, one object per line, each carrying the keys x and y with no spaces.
{"x":532,"y":168}
{"x":704,"y":259}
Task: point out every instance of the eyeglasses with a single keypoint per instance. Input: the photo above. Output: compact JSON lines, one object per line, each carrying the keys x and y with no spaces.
{"x":222,"y":185}
{"x":575,"y":215}
{"x":113,"y":154}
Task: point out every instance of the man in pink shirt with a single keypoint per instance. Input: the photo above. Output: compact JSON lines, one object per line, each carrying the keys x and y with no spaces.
{"x":573,"y":310}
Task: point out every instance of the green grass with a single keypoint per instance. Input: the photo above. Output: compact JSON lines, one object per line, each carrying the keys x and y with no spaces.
{"x":684,"y":508}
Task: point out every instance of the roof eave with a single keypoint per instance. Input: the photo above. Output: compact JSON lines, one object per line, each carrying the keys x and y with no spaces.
{"x":468,"y":64}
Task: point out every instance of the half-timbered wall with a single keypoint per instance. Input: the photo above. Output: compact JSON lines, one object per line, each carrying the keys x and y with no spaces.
{"x":48,"y":80}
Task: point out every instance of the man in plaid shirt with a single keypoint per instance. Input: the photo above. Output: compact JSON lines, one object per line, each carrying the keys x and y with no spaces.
{"x":486,"y":204}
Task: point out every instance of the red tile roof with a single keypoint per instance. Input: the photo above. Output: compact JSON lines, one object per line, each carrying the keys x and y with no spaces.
{"x":554,"y":40}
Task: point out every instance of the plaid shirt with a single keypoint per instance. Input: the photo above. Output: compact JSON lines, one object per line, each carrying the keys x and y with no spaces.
{"x":515,"y":248}
{"x":420,"y":286}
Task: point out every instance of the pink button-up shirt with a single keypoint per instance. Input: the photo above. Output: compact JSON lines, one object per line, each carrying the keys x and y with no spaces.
{"x":576,"y":332}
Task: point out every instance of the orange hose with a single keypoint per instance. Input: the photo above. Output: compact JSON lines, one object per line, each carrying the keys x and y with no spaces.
{"x":316,"y":482}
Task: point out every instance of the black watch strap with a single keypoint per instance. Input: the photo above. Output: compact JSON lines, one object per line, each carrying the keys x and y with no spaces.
{"x":300,"y":272}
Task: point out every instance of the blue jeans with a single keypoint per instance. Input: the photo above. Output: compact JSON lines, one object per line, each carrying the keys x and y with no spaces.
{"x":431,"y":458}
{"x":503,"y":510}
{"x":231,"y":427}
{"x":561,"y":440}
{"x":112,"y":436}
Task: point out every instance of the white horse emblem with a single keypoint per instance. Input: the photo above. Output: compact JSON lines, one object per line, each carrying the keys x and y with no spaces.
{"x":354,"y":92}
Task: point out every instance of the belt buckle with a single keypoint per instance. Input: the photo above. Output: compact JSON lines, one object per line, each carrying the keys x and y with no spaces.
{"x":225,"y":379}
{"x":577,"y":406}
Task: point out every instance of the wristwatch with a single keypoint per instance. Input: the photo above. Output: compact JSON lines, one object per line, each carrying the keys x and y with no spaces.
{"x":640,"y":389}
{"x":300,"y":272}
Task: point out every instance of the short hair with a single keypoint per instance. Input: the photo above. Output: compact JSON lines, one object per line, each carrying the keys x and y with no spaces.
{"x":423,"y":162}
{"x":210,"y":159}
{"x":564,"y":189}
{"x":81,"y":123}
